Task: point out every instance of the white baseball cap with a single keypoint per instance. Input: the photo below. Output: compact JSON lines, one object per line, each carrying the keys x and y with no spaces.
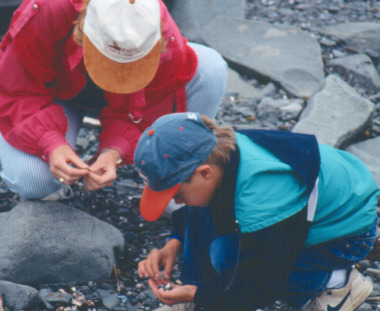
{"x":122,"y":43}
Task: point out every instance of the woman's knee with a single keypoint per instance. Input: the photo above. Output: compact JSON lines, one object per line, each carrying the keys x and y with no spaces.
{"x":31,"y":184}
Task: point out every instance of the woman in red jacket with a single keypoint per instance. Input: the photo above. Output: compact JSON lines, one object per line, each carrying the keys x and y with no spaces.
{"x":124,"y":61}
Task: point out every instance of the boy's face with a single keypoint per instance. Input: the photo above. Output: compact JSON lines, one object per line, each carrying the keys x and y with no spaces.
{"x":199,"y":191}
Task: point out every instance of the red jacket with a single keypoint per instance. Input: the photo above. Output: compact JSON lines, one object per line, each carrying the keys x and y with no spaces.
{"x":40,"y":62}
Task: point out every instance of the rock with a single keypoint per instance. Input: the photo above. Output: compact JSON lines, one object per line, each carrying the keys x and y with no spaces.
{"x":358,"y":36}
{"x":368,"y":151}
{"x":236,"y":84}
{"x":19,"y":297}
{"x":192,"y":16}
{"x":50,"y":298}
{"x":357,"y":70}
{"x":364,"y":307}
{"x":373,"y":272}
{"x":335,"y":114}
{"x":47,"y":242}
{"x":109,"y":298}
{"x":269,"y":51}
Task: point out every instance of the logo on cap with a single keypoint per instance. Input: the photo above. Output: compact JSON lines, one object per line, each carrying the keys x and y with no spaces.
{"x":115,"y":49}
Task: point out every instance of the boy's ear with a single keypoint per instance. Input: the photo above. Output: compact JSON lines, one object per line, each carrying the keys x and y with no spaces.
{"x":204,"y":170}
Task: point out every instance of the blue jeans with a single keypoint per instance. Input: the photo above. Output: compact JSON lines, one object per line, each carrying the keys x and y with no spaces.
{"x":316,"y":263}
{"x":309,"y":277}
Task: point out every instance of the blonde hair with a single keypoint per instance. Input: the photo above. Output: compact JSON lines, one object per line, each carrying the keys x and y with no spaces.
{"x":78,"y":28}
{"x":78,"y":33}
{"x":225,"y":144}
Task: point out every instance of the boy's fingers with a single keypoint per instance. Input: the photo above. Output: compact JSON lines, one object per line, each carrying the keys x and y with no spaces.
{"x":153,"y":264}
{"x":167,"y":272}
{"x":141,"y":269}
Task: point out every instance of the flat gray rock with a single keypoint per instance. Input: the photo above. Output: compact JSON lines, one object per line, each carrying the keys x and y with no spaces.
{"x":269,"y":51}
{"x":192,"y":16}
{"x":235,"y":83}
{"x":336,"y":114}
{"x":361,"y":36}
{"x":368,"y":151}
{"x":49,"y":242}
{"x":357,"y":70}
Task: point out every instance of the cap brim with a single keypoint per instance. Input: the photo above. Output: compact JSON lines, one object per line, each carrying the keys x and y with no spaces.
{"x":153,"y":203}
{"x":121,"y":78}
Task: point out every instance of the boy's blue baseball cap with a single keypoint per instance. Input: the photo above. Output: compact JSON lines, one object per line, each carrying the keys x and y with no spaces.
{"x":167,"y":154}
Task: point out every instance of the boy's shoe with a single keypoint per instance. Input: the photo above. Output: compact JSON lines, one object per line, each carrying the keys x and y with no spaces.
{"x":188,"y":306}
{"x":347,"y":298}
{"x":64,"y":193}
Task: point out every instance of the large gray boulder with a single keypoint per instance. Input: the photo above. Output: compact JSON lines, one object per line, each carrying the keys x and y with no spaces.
{"x":49,"y":242}
{"x":268,"y":51}
{"x":336,"y":114}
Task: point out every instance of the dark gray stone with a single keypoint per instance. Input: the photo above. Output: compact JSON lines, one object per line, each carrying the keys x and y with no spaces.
{"x":48,"y":242}
{"x":19,"y":297}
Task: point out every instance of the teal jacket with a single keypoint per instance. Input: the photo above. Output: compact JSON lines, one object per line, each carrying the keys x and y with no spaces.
{"x":269,"y":191}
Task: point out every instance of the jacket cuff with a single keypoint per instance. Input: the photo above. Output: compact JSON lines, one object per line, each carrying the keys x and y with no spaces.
{"x":49,"y":142}
{"x":120,"y":144}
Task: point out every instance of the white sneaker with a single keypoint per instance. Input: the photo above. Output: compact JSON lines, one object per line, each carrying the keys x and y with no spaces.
{"x":347,"y":298}
{"x":188,"y":306}
{"x":64,"y":193}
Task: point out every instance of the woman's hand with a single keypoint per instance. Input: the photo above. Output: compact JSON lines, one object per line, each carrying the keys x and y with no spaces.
{"x":102,"y":172}
{"x":178,"y":293}
{"x":60,"y":167}
{"x":157,"y":258}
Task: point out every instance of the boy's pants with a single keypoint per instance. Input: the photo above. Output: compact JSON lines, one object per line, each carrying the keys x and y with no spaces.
{"x":312,"y":270}
{"x":31,"y":178}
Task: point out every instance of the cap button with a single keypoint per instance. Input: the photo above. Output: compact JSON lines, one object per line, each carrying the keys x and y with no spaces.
{"x":151,"y":131}
{"x":35,"y":6}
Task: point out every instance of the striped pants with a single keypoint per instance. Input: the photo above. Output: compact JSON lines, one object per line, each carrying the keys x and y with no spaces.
{"x":30,"y":177}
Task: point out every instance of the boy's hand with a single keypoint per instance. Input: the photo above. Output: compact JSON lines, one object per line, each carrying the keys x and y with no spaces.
{"x":157,"y":258}
{"x":178,"y":293}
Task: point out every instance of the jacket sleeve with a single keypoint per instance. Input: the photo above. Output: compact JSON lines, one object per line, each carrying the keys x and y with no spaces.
{"x":118,"y":130}
{"x":179,"y":220}
{"x":267,"y":258}
{"x":29,"y":120}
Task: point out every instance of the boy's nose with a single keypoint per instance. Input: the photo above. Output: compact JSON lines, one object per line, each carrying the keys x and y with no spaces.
{"x":178,"y":201}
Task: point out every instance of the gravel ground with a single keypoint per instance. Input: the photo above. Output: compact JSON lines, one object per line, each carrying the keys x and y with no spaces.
{"x":118,"y":204}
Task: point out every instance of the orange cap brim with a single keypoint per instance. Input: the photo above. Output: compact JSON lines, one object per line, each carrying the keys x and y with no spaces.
{"x":153,"y":203}
{"x":121,"y":78}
